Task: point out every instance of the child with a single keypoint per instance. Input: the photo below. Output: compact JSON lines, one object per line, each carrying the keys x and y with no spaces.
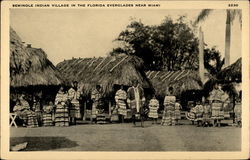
{"x":38,"y":112}
{"x":199,"y":113}
{"x":114,"y":114}
{"x":191,"y":115}
{"x":206,"y":115}
{"x":47,"y":114}
{"x":153,"y":108}
{"x":237,"y":111}
{"x":177,"y":112}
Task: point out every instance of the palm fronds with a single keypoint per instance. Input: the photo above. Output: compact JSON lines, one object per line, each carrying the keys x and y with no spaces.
{"x":203,"y":15}
{"x":232,"y":73}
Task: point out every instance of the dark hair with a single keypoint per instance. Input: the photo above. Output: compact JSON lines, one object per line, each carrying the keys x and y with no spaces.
{"x":18,"y":101}
{"x":135,"y":81}
{"x":98,"y":86}
{"x":153,"y":95}
{"x":62,"y":86}
{"x":75,"y":82}
{"x":170,"y":88}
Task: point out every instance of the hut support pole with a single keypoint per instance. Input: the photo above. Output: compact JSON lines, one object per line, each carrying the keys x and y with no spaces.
{"x":109,"y":108}
{"x":84,"y":111}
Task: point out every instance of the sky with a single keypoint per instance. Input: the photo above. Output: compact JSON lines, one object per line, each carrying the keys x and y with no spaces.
{"x":67,"y":33}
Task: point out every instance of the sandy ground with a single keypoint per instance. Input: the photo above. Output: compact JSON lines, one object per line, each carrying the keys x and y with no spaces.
{"x":125,"y":137}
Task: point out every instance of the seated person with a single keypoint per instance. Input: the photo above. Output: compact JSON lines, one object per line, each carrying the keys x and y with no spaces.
{"x":23,"y":111}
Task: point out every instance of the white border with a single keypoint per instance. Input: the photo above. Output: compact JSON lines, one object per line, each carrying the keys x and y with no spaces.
{"x":244,"y":5}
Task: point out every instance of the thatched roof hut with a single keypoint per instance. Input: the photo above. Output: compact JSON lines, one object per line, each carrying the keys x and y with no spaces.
{"x":180,"y":80}
{"x":231,"y":73}
{"x":30,"y":66}
{"x":105,"y":71}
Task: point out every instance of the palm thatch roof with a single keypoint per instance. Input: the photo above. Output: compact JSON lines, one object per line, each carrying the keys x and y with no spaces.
{"x":180,"y":80}
{"x":231,"y":73}
{"x":105,"y":71}
{"x":30,"y":66}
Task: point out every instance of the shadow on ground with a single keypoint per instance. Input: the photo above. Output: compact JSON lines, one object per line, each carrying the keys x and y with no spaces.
{"x":43,"y":143}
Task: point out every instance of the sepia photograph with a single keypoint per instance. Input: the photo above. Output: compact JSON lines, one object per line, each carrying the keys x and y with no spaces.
{"x":125,"y":78}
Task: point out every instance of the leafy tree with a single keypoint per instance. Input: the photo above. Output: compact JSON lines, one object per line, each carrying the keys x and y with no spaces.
{"x":168,"y":46}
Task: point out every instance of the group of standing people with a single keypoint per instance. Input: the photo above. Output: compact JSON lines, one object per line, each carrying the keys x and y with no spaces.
{"x":211,"y":110}
{"x":135,"y":99}
{"x":66,"y":108}
{"x":171,"y":112}
{"x":64,"y":111}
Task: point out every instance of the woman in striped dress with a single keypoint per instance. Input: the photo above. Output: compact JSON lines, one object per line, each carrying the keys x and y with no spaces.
{"x":23,"y":111}
{"x":177,"y":111}
{"x":216,"y":101}
{"x":153,"y":109}
{"x":62,"y":113}
{"x":120,"y":99}
{"x":47,"y":114}
{"x":74,"y":95}
{"x":169,"y":107}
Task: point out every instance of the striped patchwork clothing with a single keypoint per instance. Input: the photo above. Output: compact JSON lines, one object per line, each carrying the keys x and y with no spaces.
{"x":47,"y":115}
{"x":207,"y":112}
{"x":74,"y":96}
{"x":153,"y":108}
{"x":21,"y":112}
{"x":237,"y":111}
{"x":120,"y":98}
{"x":168,"y":117}
{"x":28,"y":116}
{"x":177,"y":111}
{"x":62,"y":113}
{"x":217,"y":110}
{"x":199,"y":110}
{"x":217,"y":97}
{"x":101,"y":118}
{"x":32,"y":119}
{"x":95,"y":96}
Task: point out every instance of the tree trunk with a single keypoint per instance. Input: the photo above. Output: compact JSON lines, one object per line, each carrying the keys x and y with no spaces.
{"x":228,"y":39}
{"x":201,"y":56}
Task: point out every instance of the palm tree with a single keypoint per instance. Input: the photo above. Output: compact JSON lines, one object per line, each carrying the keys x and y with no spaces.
{"x":231,"y":14}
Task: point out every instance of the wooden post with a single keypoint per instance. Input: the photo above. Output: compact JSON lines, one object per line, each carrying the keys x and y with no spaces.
{"x":85,"y":111}
{"x":109,"y":108}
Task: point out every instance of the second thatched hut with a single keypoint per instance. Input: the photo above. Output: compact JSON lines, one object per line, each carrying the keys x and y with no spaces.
{"x":187,"y":84}
{"x":109,"y":72}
